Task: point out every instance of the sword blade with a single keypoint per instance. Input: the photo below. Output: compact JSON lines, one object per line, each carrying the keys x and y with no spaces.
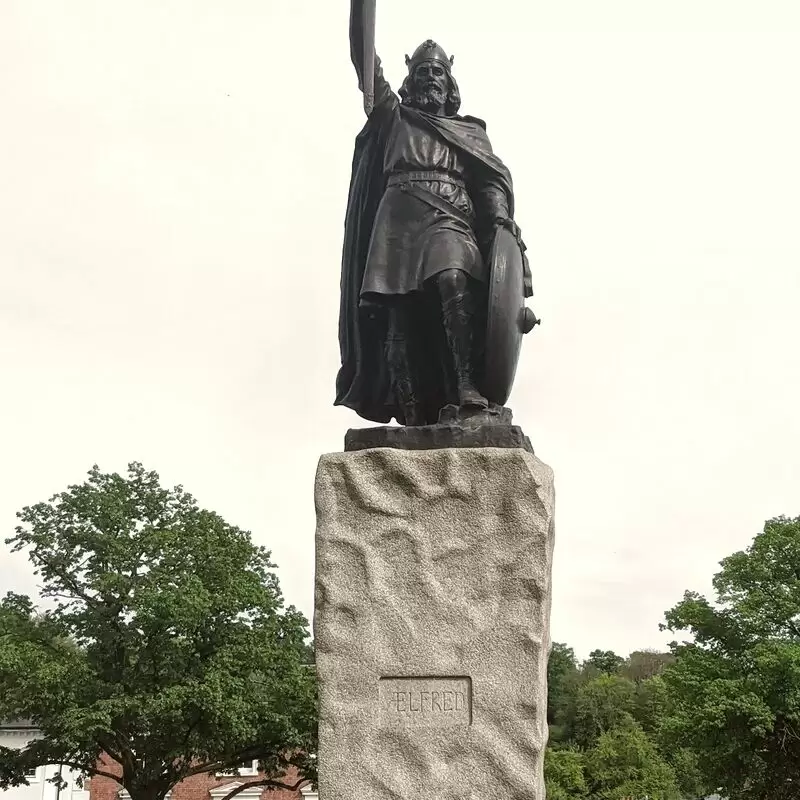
{"x":368,"y":27}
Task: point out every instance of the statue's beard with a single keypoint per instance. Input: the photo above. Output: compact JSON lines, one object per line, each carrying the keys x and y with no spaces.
{"x":428,"y":98}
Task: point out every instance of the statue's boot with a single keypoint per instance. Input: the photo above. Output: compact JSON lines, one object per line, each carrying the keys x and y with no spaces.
{"x":412,"y":408}
{"x":458,"y":325}
{"x":396,"y":352}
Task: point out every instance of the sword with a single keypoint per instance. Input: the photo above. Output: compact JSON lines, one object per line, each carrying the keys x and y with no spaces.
{"x":368,"y":28}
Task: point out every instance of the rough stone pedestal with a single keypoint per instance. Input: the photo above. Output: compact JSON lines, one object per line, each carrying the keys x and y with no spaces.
{"x":431,"y":623}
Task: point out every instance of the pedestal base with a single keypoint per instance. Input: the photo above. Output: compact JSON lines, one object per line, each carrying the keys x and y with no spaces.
{"x":457,"y":427}
{"x":433,"y":586}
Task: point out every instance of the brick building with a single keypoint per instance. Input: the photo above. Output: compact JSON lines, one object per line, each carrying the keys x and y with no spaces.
{"x":198,"y":787}
{"x":206,"y":786}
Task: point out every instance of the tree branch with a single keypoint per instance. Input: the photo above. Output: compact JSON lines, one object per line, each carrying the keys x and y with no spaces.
{"x":124,"y":747}
{"x":91,"y":770}
{"x":108,"y":749}
{"x":231,"y":763}
{"x":191,"y":729}
{"x":73,"y":586}
{"x":787,"y":622}
{"x":272,"y":784}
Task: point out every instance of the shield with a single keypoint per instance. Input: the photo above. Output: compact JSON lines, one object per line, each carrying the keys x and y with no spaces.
{"x":508,"y":319}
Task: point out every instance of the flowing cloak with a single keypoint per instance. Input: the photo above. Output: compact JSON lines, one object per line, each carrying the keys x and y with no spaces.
{"x":363,"y":382}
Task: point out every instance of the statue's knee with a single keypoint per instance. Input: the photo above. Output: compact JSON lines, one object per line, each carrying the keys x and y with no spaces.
{"x":452,"y":282}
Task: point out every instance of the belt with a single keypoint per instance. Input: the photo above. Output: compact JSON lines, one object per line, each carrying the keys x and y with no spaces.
{"x":435,"y":201}
{"x":400,"y":178}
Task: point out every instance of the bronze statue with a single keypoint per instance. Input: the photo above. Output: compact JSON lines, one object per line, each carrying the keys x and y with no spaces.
{"x":433,"y":268}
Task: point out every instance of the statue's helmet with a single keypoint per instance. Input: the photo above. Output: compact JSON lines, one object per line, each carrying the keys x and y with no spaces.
{"x":430,"y":51}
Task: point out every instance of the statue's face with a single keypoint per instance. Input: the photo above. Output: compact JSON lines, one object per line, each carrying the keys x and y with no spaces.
{"x":431,"y":85}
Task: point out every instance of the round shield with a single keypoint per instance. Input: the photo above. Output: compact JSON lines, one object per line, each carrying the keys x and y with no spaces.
{"x":507,"y":318}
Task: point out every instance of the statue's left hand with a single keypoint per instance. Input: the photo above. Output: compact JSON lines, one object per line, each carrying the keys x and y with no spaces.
{"x":511,"y":226}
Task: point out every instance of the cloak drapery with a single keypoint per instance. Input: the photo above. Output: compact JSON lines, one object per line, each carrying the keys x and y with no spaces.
{"x":363,"y":382}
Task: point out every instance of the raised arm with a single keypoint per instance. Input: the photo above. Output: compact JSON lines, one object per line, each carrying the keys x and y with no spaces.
{"x":362,"y":32}
{"x":377,"y":92}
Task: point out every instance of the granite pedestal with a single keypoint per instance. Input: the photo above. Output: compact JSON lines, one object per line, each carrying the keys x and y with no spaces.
{"x":433,"y":590}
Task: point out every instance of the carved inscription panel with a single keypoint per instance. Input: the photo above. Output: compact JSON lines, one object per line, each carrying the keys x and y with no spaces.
{"x":429,"y":701}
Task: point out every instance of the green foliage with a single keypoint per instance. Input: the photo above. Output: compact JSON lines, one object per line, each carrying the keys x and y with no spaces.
{"x":562,"y":681}
{"x":162,"y":641}
{"x":603,"y":703}
{"x":735,"y":688}
{"x":606,"y":662}
{"x":564,"y":774}
{"x":686,"y":764}
{"x":560,"y":665}
{"x":642,"y":665}
{"x":721,"y":712}
{"x":625,"y":763}
{"x":650,"y":704}
{"x":605,"y":728}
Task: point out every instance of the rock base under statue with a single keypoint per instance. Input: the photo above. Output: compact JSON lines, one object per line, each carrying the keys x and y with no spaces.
{"x":431,"y":624}
{"x":456,"y":428}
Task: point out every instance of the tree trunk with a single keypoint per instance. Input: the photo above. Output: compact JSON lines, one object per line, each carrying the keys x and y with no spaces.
{"x":153,"y":791}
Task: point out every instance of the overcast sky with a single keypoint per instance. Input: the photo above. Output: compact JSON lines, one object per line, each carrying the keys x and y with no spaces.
{"x":173,"y":177}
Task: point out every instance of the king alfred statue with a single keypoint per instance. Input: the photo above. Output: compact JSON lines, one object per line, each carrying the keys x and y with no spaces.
{"x":433,"y":268}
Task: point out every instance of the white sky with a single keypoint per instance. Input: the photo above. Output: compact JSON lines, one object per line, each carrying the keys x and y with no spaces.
{"x":173,"y":175}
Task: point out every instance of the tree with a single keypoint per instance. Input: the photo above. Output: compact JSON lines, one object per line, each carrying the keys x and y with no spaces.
{"x":606,"y":730}
{"x":686,"y":765}
{"x":644,"y":664}
{"x":650,"y":704}
{"x":603,"y":703}
{"x":563,"y":774}
{"x":562,"y":682}
{"x":735,"y":687}
{"x":606,"y":662}
{"x":583,"y":703}
{"x":625,"y":763}
{"x":163,"y":642}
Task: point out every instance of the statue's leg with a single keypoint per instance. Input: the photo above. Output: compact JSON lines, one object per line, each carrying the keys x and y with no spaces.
{"x":458,"y":317}
{"x":400,"y":367}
